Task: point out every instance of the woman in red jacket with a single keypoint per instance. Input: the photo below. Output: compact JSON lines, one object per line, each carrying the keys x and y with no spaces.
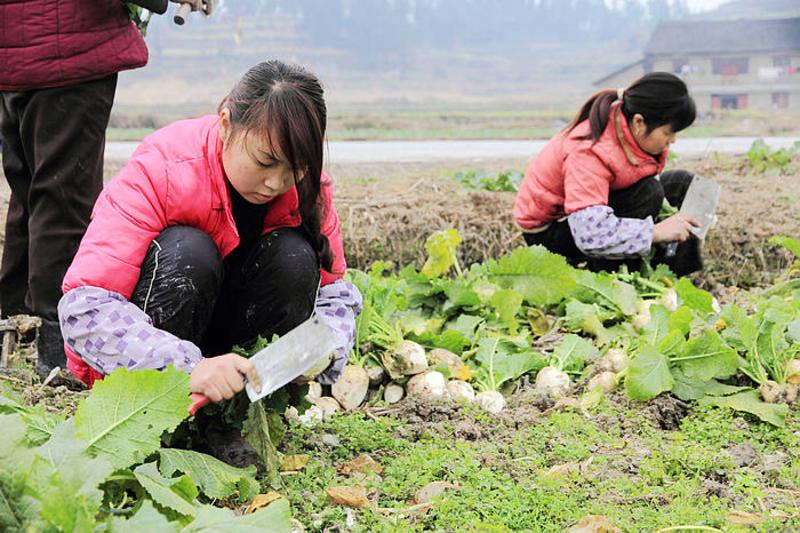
{"x":218,"y":230}
{"x":595,"y":191}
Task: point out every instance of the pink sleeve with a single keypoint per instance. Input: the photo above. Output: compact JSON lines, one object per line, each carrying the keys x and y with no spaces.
{"x":587,"y":181}
{"x":128,"y":215}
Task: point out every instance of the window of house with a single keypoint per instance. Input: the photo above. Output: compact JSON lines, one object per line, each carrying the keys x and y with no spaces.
{"x":782,"y":61}
{"x":729,"y":66}
{"x":728,"y":101}
{"x":680,"y":66}
{"x":780,"y":100}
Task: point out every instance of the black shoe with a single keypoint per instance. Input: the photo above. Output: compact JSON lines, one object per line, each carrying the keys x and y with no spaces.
{"x":50,"y":349}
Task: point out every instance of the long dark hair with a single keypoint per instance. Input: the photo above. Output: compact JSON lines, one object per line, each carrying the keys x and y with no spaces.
{"x":288,"y":102}
{"x":660,"y":97}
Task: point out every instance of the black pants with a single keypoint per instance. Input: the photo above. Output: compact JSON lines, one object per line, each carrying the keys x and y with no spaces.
{"x":641,"y":200}
{"x":188,"y":290}
{"x":53,"y":144}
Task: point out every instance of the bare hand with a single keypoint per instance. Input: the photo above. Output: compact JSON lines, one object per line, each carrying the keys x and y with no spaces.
{"x":219,"y":378}
{"x":206,"y":6}
{"x":676,"y":228}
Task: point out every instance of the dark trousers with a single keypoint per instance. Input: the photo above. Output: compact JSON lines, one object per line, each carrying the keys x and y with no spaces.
{"x":189,"y":291}
{"x":53,"y":143}
{"x":641,"y":200}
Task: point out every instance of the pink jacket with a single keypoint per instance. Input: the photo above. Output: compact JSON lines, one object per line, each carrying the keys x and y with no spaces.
{"x":571,"y":174}
{"x":54,"y":43}
{"x":175,"y":177}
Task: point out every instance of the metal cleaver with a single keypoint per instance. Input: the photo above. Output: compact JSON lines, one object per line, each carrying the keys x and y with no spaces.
{"x":286,"y":359}
{"x":700,"y":202}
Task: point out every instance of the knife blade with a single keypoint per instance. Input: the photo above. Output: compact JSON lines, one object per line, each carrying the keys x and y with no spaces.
{"x":701,"y":202}
{"x":286,"y":359}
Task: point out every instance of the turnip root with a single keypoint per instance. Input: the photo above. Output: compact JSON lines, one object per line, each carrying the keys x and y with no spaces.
{"x":328,"y":405}
{"x":314,"y":391}
{"x":607,"y":381}
{"x":773,"y":392}
{"x":640,"y":321}
{"x":427,"y":386}
{"x":376,"y":375}
{"x":615,"y":360}
{"x":440,"y":356}
{"x":393,"y":393}
{"x":351,"y":389}
{"x":312,"y":417}
{"x":406,"y":358}
{"x":491,"y":401}
{"x":460,"y":391}
{"x":319,"y":368}
{"x":552,"y":382}
{"x":670,"y":300}
{"x":793,"y":371}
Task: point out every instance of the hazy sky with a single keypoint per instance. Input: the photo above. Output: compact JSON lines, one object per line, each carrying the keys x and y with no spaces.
{"x":702,"y":5}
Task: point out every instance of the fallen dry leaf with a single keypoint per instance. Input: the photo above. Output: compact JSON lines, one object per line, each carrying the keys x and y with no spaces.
{"x":566,"y":469}
{"x":742,"y":518}
{"x":464,"y":373}
{"x":355,"y":496}
{"x":262,"y":500}
{"x":430,"y":491}
{"x":363,"y":463}
{"x":293,"y":463}
{"x":594,"y":524}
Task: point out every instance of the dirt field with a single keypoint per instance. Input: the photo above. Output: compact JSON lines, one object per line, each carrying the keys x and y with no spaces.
{"x":387,"y":211}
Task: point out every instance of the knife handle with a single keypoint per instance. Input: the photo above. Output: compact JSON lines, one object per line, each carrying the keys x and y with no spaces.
{"x":198,"y":402}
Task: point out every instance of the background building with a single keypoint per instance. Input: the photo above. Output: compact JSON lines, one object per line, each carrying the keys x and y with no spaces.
{"x":728,"y":64}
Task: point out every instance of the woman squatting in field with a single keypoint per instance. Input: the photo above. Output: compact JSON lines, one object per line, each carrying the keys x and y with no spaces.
{"x":595,"y":191}
{"x":219,"y":229}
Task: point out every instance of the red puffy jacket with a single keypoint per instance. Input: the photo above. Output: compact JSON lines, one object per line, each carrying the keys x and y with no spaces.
{"x":571,"y":173}
{"x":55,"y":43}
{"x":175,"y":177}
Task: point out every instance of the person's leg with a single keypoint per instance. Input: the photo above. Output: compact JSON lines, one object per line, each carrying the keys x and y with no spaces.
{"x":270,"y":292}
{"x":558,"y":239}
{"x":63,"y":134}
{"x":14,"y":268}
{"x":180,"y":282}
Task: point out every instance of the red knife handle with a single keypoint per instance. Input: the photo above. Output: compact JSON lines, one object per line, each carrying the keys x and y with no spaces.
{"x":198,"y":402}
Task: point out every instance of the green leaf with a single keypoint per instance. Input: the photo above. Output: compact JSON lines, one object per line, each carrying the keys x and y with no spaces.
{"x":65,"y":481}
{"x":672,"y":344}
{"x":459,"y":295}
{"x":215,"y":478}
{"x":573,"y":352}
{"x":648,"y":375}
{"x":604,"y":289}
{"x":695,"y":298}
{"x":275,"y":518}
{"x":681,"y":320}
{"x":687,"y":388}
{"x":657,"y":329}
{"x":750,"y":402}
{"x":507,"y":304}
{"x":441,"y":247}
{"x":793,"y":245}
{"x":257,"y":431}
{"x":502,"y":359}
{"x":539,"y":276}
{"x":177,"y":494}
{"x":127,"y":412}
{"x":586,"y":318}
{"x":18,"y":512}
{"x":466,"y":325}
{"x":146,"y":520}
{"x":707,"y":356}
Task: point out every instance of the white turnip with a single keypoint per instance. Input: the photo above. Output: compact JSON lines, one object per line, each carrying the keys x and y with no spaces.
{"x":460,"y":391}
{"x":351,"y":388}
{"x":328,"y":405}
{"x":393,"y":393}
{"x":376,"y":375}
{"x":615,"y":360}
{"x":406,"y":358}
{"x":427,"y":386}
{"x":670,"y":300}
{"x":314,"y":391}
{"x":774,"y":392}
{"x":793,"y":371}
{"x":319,"y":368}
{"x":640,"y":321}
{"x":440,"y":356}
{"x":552,"y":382}
{"x":490,"y":401}
{"x":607,"y":381}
